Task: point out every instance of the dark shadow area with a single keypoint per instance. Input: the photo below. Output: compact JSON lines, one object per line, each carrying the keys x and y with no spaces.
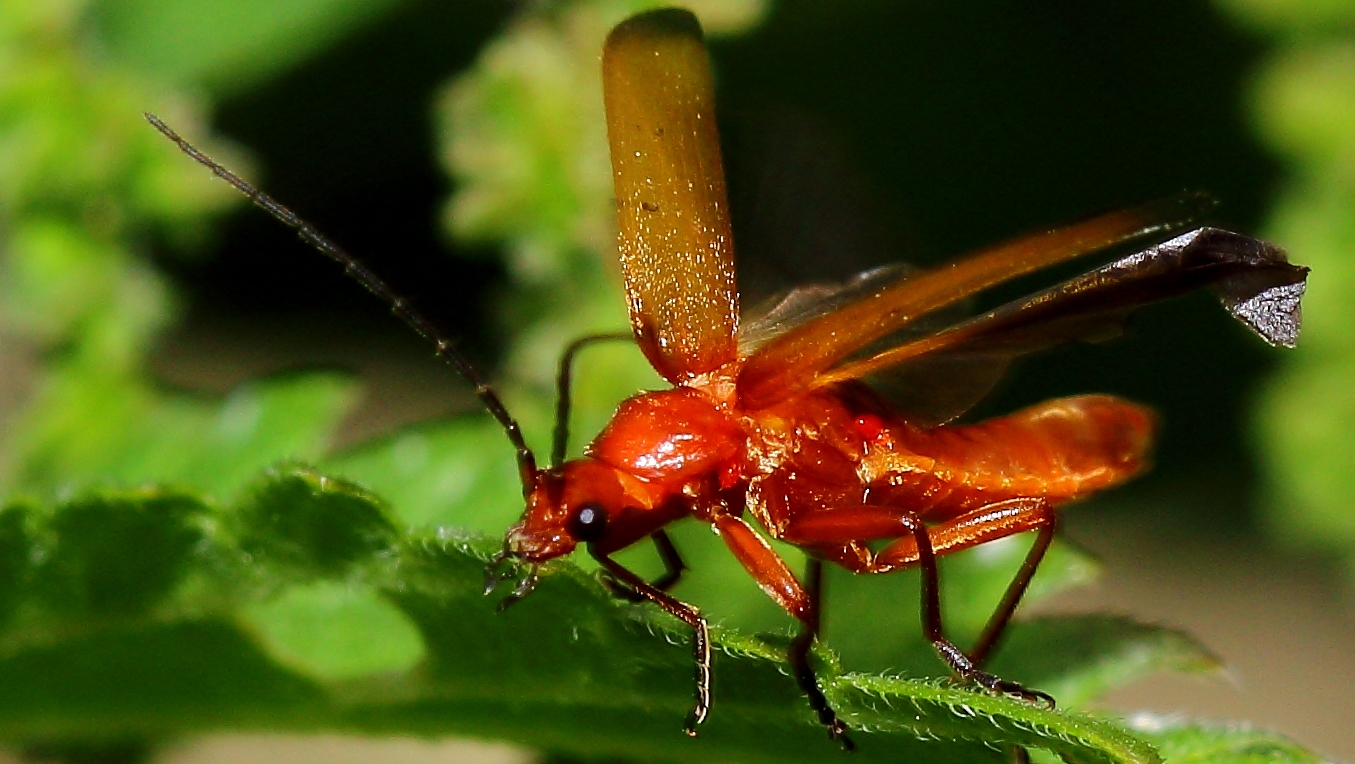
{"x":347,"y":141}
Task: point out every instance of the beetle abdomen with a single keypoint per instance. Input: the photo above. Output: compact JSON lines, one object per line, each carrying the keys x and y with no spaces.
{"x":1059,"y":450}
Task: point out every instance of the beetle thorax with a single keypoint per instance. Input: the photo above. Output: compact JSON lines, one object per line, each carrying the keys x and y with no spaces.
{"x":634,"y":479}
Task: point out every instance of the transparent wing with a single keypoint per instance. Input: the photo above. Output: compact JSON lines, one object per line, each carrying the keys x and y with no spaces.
{"x":796,"y":307}
{"x":1252,"y":278}
{"x":802,"y":210}
{"x":796,"y":359}
{"x":672,"y":208}
{"x":926,"y":392}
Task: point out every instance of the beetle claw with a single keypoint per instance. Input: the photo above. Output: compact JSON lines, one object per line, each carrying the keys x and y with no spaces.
{"x":1001,"y":686}
{"x":524,"y":587}
{"x":498,"y":570}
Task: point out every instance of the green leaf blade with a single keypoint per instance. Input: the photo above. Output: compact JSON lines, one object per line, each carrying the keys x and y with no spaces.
{"x":311,"y":526}
{"x":316,"y":610}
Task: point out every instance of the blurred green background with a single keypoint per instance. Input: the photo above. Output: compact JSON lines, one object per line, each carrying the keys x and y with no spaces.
{"x":455,"y":148}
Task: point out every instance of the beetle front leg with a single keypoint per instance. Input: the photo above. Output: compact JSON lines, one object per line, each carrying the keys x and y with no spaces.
{"x":688,"y":615}
{"x":774,"y":577}
{"x":673,"y":568}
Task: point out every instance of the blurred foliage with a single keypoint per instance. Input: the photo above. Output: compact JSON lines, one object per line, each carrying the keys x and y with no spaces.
{"x":1188,"y":743}
{"x":1304,"y":107}
{"x":159,"y":578}
{"x":85,"y":192}
{"x":225,"y":45}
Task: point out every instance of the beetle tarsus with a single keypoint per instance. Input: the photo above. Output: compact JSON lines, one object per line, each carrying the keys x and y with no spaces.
{"x":964,"y":667}
{"x":1001,"y":686}
{"x":836,"y":729}
{"x":497,"y":570}
{"x":809,"y":684}
{"x":524,"y":587}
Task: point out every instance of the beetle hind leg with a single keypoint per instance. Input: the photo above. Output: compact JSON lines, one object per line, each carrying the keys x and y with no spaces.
{"x":993,"y":521}
{"x":999,"y":686}
{"x":839,"y":535}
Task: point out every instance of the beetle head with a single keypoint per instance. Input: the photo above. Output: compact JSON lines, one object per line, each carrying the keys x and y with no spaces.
{"x":565,"y":507}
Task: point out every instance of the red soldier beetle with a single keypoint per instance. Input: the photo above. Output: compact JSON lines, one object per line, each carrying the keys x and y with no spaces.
{"x":774,"y":422}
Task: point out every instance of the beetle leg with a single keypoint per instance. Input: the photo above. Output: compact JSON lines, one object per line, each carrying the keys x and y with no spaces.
{"x":863,"y":523}
{"x":836,"y":532}
{"x":997,"y":622}
{"x":774,"y":576}
{"x":672,"y":561}
{"x":673,"y":567}
{"x":987,"y":523}
{"x":688,"y":615}
{"x":799,"y":657}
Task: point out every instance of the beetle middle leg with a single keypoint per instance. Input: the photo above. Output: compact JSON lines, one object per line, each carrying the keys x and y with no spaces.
{"x":799,"y":656}
{"x":774,"y":576}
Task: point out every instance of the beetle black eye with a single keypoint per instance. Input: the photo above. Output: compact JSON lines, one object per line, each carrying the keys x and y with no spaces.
{"x":589,"y":523}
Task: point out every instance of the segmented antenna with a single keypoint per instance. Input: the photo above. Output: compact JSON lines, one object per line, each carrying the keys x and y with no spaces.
{"x":370,"y":281}
{"x":563,"y":397}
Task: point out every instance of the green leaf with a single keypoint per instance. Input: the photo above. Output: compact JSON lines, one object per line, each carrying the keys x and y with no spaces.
{"x":1192,"y":743}
{"x":218,"y":448}
{"x":1306,"y":110}
{"x":1289,"y":17}
{"x":15,"y":550}
{"x":96,"y":430}
{"x":397,"y":638}
{"x":336,"y":631}
{"x":610,"y":658}
{"x":145,"y":678}
{"x":1305,"y":103}
{"x":311,"y":525}
{"x":459,"y":471}
{"x":119,"y":554}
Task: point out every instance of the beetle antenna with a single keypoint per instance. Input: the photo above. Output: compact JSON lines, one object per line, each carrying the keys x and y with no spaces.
{"x":563,"y":386}
{"x":369,"y":280}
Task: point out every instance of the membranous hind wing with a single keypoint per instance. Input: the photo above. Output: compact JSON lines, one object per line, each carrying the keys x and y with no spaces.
{"x":795,"y":360}
{"x":1252,"y":279}
{"x":672,"y":208}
